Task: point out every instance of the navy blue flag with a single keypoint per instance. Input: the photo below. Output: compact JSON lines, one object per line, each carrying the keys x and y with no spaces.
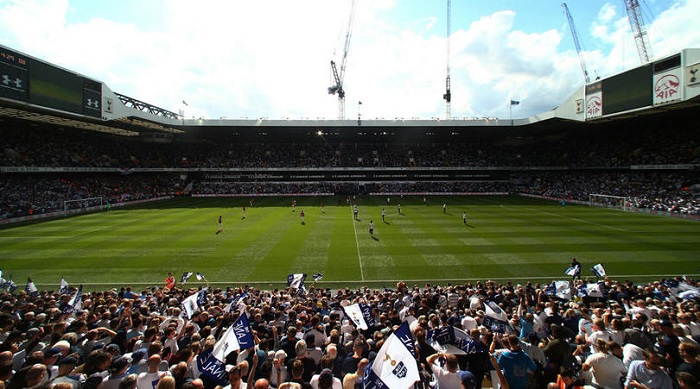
{"x":317,"y":277}
{"x":237,"y":337}
{"x":200,"y":276}
{"x":495,"y":319}
{"x":234,"y":302}
{"x":75,"y":302}
{"x":202,"y":297}
{"x":296,"y":281}
{"x":185,"y":276}
{"x":395,"y":365}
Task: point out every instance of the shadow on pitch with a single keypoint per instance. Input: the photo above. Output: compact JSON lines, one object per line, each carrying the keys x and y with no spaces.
{"x":386,"y":222}
{"x":469,"y":225}
{"x":375,"y":238}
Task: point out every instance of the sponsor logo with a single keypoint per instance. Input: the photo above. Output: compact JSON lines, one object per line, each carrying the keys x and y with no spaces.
{"x":667,"y":87}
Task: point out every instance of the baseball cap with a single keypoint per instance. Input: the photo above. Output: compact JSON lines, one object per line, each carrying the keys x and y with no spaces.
{"x":467,"y":379}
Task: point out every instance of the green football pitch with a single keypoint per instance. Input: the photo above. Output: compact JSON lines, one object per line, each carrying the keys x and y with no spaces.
{"x":505,"y":238}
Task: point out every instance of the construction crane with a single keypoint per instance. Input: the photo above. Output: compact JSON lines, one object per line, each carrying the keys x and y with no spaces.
{"x":639,"y":30}
{"x":572,"y":27}
{"x":339,"y":76}
{"x":448,"y":94}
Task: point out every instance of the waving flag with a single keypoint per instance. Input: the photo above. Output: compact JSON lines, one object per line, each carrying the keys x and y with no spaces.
{"x":360,"y":314}
{"x":494,"y":318}
{"x":237,"y":301}
{"x":31,"y":288}
{"x":11,"y":285}
{"x":191,"y":303}
{"x":63,"y":286}
{"x":597,"y":290}
{"x":200,"y":277}
{"x":185,"y":276}
{"x":452,"y":340}
{"x":296,"y":281}
{"x":598,"y":270}
{"x":395,"y":364}
{"x":559,"y":289}
{"x":573,"y":271}
{"x":317,"y":277}
{"x":236,"y":337}
{"x":75,"y":303}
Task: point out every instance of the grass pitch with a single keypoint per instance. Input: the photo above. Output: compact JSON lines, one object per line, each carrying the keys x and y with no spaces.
{"x":505,"y":238}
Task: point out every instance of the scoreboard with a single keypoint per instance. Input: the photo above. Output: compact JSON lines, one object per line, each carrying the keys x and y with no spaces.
{"x":29,"y":80}
{"x":648,"y":85}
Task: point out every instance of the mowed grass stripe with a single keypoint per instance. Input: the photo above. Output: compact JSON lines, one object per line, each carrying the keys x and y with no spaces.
{"x":525,"y":237}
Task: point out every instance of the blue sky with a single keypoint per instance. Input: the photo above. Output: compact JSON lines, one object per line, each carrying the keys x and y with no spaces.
{"x":270,"y":58}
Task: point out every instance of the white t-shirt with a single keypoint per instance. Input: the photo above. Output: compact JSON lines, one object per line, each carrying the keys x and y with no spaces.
{"x":444,"y":378}
{"x":607,"y":370}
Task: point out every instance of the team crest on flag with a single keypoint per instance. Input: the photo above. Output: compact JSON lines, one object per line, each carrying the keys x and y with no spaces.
{"x":360,"y":314}
{"x":395,"y":365}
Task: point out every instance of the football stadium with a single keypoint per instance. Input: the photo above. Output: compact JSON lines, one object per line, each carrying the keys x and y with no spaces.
{"x":136,"y":240}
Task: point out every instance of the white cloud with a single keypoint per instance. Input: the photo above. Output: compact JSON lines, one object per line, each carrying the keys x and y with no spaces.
{"x":271,"y":58}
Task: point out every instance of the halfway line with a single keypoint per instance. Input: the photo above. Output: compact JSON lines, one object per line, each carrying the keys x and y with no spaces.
{"x":357,"y":244}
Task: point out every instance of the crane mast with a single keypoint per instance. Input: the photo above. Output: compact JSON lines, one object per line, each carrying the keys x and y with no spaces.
{"x":448,"y":94}
{"x":572,"y":27}
{"x":639,"y":30}
{"x":339,"y":75}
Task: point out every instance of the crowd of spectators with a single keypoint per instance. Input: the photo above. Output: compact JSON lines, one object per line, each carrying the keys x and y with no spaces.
{"x":26,"y":195}
{"x":637,"y":336}
{"x":66,"y":148}
{"x":571,"y":167}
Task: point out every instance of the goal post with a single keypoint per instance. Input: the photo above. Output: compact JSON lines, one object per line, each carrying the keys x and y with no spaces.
{"x":88,"y":203}
{"x":608,"y":201}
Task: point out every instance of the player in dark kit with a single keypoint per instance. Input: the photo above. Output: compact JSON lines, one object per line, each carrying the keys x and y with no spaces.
{"x":371,"y":228}
{"x":221,"y":226}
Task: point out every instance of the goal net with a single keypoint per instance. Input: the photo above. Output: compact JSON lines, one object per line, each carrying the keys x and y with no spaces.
{"x":89,"y":203}
{"x":607,"y":201}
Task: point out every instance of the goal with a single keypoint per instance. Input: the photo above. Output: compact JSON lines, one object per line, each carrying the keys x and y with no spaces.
{"x":607,"y":201}
{"x":86,"y":204}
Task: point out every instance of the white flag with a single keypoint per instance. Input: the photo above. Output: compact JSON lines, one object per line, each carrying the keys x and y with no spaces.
{"x":395,"y":365}
{"x":598,"y":270}
{"x":296,"y":281}
{"x":354,"y":312}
